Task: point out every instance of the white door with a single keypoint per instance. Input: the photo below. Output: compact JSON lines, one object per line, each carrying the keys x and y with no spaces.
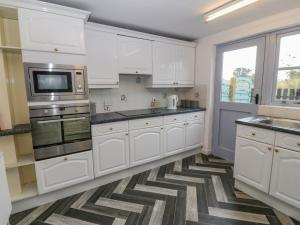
{"x":285,"y":180}
{"x":174,"y":138}
{"x":194,"y":134}
{"x":134,"y":55}
{"x":185,"y":68}
{"x":253,"y":163}
{"x":145,"y":145}
{"x":5,"y":203}
{"x":111,"y":153}
{"x":43,"y":31}
{"x":60,"y":172}
{"x":102,"y":64}
{"x":163,"y":63}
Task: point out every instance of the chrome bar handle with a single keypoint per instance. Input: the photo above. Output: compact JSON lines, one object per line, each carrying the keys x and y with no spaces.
{"x":61,"y":120}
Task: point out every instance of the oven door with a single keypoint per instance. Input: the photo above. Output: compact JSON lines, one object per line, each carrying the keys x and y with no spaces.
{"x":51,"y":82}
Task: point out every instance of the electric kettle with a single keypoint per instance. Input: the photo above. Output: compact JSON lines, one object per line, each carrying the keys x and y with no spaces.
{"x":172,"y":102}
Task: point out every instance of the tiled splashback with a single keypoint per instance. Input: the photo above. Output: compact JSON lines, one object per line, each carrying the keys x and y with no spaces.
{"x":279,"y":111}
{"x":134,"y":93}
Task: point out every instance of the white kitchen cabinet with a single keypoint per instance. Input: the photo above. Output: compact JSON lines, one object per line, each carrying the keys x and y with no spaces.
{"x":174,"y":138}
{"x":111,"y":153}
{"x":56,"y":173}
{"x":285,"y":182}
{"x":44,"y":31}
{"x":194,"y":134}
{"x":185,"y":66}
{"x":253,"y":163}
{"x":102,"y":63}
{"x":134,"y":55}
{"x":164,"y":60}
{"x":5,"y":204}
{"x":145,"y":145}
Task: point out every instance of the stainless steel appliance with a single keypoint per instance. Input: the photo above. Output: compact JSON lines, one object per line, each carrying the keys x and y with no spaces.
{"x":60,"y":130}
{"x":52,"y":82}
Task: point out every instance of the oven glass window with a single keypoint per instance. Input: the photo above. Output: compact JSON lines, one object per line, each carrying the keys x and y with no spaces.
{"x":76,"y":127}
{"x":48,"y":82}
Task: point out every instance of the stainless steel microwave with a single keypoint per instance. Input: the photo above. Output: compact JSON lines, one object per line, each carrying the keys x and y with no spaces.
{"x":52,"y":82}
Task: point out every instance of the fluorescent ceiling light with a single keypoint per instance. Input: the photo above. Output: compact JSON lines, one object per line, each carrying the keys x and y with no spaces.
{"x":227,"y":8}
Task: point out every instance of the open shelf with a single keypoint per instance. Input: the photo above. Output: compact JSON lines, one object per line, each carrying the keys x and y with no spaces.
{"x":23,"y":160}
{"x":12,"y":49}
{"x":28,"y":190}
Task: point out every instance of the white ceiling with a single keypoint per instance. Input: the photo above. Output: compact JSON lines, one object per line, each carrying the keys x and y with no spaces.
{"x":174,"y":18}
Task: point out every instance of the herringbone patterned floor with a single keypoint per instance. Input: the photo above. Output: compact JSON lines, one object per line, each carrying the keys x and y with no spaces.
{"x":197,"y":190}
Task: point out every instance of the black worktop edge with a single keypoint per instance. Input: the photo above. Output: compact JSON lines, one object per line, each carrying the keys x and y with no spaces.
{"x":94,"y":120}
{"x":18,"y":129}
{"x":268,"y":127}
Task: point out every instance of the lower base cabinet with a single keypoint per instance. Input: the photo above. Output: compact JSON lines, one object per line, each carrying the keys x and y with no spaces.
{"x":174,"y":138}
{"x":60,"y":172}
{"x":253,"y":163}
{"x":111,"y":153}
{"x":284,"y":185}
{"x":145,"y":145}
{"x":194,"y":134}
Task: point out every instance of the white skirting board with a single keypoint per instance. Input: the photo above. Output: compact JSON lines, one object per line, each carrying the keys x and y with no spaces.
{"x":269,"y":200}
{"x":63,"y":193}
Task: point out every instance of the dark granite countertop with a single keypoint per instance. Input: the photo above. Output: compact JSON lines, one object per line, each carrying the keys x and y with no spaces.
{"x":18,"y":129}
{"x":139,"y":114}
{"x":281,"y":125}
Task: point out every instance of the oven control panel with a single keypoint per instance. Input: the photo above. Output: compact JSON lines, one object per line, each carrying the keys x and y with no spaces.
{"x":79,"y":82}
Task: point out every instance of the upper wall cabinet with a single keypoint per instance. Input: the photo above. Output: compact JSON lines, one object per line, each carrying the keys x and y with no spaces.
{"x":43,"y":31}
{"x":134,"y":55}
{"x":173,"y":66}
{"x":102,"y":64}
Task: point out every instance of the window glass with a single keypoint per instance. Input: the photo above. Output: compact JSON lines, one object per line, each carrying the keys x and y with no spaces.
{"x":289,"y":51}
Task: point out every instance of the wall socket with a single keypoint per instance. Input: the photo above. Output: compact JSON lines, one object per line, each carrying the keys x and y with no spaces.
{"x":107,"y":106}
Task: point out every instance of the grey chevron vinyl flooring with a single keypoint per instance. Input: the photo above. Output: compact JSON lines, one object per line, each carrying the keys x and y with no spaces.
{"x":198,"y":190}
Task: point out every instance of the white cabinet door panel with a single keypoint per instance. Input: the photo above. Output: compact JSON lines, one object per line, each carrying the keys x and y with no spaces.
{"x":42,"y":31}
{"x":185,"y":68}
{"x":285,"y":180}
{"x":164,"y":63}
{"x":134,"y":55}
{"x":256,"y":134}
{"x":253,"y":162}
{"x":111,"y":153}
{"x":60,"y":172}
{"x":174,"y":138}
{"x":288,"y":141}
{"x":145,"y":145}
{"x":102,"y":64}
{"x":194,"y":134}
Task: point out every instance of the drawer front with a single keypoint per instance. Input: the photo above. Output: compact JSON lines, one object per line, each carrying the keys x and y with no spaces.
{"x":144,"y":123}
{"x":256,"y":134}
{"x":195,"y":116}
{"x":179,"y":118}
{"x":109,"y":128}
{"x":289,"y":141}
{"x":65,"y":171}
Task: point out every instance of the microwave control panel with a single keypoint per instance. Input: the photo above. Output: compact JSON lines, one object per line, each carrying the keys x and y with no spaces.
{"x":79,"y":81}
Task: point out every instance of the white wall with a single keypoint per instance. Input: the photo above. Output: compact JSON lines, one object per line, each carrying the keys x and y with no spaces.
{"x":206,"y":53}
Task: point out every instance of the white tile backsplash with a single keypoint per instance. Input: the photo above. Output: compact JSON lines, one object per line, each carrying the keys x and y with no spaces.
{"x":279,"y":111}
{"x":138,"y":97}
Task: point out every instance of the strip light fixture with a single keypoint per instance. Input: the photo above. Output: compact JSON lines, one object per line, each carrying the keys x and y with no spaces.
{"x":227,"y":8}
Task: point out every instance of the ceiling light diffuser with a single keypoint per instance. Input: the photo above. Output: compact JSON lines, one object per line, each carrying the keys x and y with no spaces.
{"x":227,"y":8}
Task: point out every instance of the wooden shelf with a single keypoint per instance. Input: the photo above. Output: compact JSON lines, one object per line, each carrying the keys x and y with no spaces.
{"x":23,"y":160}
{"x":12,"y":49}
{"x":28,"y":191}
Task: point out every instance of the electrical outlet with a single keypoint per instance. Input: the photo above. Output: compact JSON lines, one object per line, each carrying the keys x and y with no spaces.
{"x":123,"y":98}
{"x":107,"y":106}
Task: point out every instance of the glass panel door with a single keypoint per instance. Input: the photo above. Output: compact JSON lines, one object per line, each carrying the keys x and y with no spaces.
{"x":76,"y":127}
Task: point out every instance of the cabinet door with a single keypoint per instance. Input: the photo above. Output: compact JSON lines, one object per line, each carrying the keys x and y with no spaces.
{"x":5,"y":209}
{"x":134,"y":55}
{"x":163,"y":63}
{"x":111,"y":153}
{"x":185,"y":68}
{"x":101,"y":59}
{"x":42,"y":31}
{"x":253,"y":163}
{"x":174,"y":138}
{"x":194,"y":134}
{"x":285,"y":180}
{"x":60,"y":172}
{"x":145,"y":145}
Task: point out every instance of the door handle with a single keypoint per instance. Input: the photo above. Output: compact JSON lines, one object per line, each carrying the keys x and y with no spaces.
{"x":256,"y":98}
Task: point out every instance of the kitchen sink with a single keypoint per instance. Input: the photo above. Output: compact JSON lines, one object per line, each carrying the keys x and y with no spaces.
{"x":284,"y":123}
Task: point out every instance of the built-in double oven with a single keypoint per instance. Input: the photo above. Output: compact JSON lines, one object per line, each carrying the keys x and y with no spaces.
{"x":59,"y":130}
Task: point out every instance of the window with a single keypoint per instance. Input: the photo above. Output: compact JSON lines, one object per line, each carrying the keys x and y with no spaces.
{"x":287,"y":71}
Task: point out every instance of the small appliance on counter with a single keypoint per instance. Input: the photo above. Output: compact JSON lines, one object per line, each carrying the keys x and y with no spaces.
{"x":192,"y":104}
{"x":172,"y":102}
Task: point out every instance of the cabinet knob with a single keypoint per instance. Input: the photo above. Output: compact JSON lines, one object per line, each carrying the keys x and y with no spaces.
{"x":136,"y":71}
{"x":126,"y":133}
{"x":111,"y":128}
{"x":175,"y":119}
{"x":66,"y":158}
{"x":276,"y":150}
{"x":270,"y":148}
{"x":56,"y":49}
{"x":253,"y":134}
{"x":161,"y":128}
{"x":117,"y":82}
{"x":196,"y":116}
{"x":147,"y":123}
